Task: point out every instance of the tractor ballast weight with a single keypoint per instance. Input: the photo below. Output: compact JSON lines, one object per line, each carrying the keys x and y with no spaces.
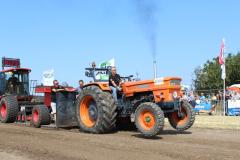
{"x":64,"y":101}
{"x":65,"y":109}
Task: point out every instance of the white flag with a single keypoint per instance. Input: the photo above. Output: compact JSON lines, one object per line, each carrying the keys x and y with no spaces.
{"x":48,"y":77}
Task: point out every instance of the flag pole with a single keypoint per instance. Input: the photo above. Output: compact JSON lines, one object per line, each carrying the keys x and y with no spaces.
{"x":223,"y":67}
{"x":224,"y":80}
{"x":224,"y":97}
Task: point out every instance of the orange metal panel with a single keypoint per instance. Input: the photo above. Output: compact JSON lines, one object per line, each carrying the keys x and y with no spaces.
{"x":161,"y":91}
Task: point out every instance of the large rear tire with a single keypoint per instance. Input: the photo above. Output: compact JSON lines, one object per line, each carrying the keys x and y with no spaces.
{"x":40,"y":116}
{"x":96,"y":111}
{"x":149,"y":119}
{"x":184,"y":122}
{"x":8,"y":109}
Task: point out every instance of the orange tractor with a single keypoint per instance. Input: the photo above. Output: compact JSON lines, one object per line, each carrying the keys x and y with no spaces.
{"x":146,"y":103}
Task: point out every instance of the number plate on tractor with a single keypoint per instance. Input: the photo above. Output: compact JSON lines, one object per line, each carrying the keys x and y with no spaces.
{"x":158,"y":81}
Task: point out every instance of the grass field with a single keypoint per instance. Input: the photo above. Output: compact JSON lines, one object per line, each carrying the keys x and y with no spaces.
{"x":220,"y":122}
{"x":216,"y":122}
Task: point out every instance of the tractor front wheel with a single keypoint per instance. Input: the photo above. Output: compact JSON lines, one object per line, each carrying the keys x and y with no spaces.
{"x":8,"y":109}
{"x":183,"y":119}
{"x":149,"y":119}
{"x":40,"y":116}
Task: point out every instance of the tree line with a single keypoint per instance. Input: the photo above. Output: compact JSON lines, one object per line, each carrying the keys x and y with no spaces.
{"x":208,"y":76}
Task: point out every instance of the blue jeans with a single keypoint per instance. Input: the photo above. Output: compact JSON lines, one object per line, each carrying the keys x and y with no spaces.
{"x":114,"y":93}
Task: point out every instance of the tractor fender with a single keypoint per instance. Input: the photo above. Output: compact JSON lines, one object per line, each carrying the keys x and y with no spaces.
{"x":101,"y":85}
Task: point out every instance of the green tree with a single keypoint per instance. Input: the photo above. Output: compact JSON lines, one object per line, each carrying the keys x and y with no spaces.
{"x":208,"y":77}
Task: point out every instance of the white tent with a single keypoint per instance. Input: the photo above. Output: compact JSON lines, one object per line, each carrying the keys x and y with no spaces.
{"x":235,"y":85}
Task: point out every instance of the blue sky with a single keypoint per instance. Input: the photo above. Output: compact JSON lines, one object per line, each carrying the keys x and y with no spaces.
{"x":67,"y":35}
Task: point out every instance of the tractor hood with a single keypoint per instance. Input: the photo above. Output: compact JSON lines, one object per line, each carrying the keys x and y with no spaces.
{"x":168,"y":83}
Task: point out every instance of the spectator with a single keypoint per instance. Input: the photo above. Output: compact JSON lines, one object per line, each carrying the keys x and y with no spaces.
{"x":93,"y":65}
{"x":192,"y":100}
{"x":197,"y":99}
{"x":214,"y":99}
{"x":228,"y":95}
{"x":184,"y":96}
{"x":202,"y":98}
{"x":236,"y":96}
{"x":214,"y":104}
{"x":80,"y":87}
{"x":56,"y":86}
{"x":219,"y":96}
{"x":92,"y":71}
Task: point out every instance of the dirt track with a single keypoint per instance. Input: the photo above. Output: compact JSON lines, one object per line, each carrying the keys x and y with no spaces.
{"x":25,"y":143}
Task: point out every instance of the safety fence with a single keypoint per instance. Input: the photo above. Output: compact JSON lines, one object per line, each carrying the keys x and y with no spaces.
{"x":232,"y":108}
{"x":211,"y":102}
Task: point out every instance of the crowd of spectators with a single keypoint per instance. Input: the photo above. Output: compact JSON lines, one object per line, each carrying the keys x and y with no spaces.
{"x":200,"y":98}
{"x":196,"y":98}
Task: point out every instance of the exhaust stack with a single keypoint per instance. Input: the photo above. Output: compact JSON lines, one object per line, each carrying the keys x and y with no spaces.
{"x":155,"y":68}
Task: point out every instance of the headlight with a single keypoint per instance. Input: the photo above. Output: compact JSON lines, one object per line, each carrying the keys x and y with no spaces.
{"x":175,"y":95}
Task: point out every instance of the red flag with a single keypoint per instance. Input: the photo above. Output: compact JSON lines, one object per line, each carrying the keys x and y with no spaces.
{"x":221,"y":59}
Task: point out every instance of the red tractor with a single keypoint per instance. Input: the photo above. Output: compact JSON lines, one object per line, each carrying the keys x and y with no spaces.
{"x":16,"y":103}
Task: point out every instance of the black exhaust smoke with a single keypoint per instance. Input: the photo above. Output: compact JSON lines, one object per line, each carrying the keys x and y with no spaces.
{"x":147,"y":10}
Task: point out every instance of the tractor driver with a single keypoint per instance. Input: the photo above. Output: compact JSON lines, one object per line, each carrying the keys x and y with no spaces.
{"x":115,"y":82}
{"x":12,"y":83}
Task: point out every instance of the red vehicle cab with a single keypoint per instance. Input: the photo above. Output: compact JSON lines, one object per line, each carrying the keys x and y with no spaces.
{"x":13,"y":79}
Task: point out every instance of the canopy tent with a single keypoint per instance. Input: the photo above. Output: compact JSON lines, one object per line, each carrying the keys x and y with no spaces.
{"x":235,"y":87}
